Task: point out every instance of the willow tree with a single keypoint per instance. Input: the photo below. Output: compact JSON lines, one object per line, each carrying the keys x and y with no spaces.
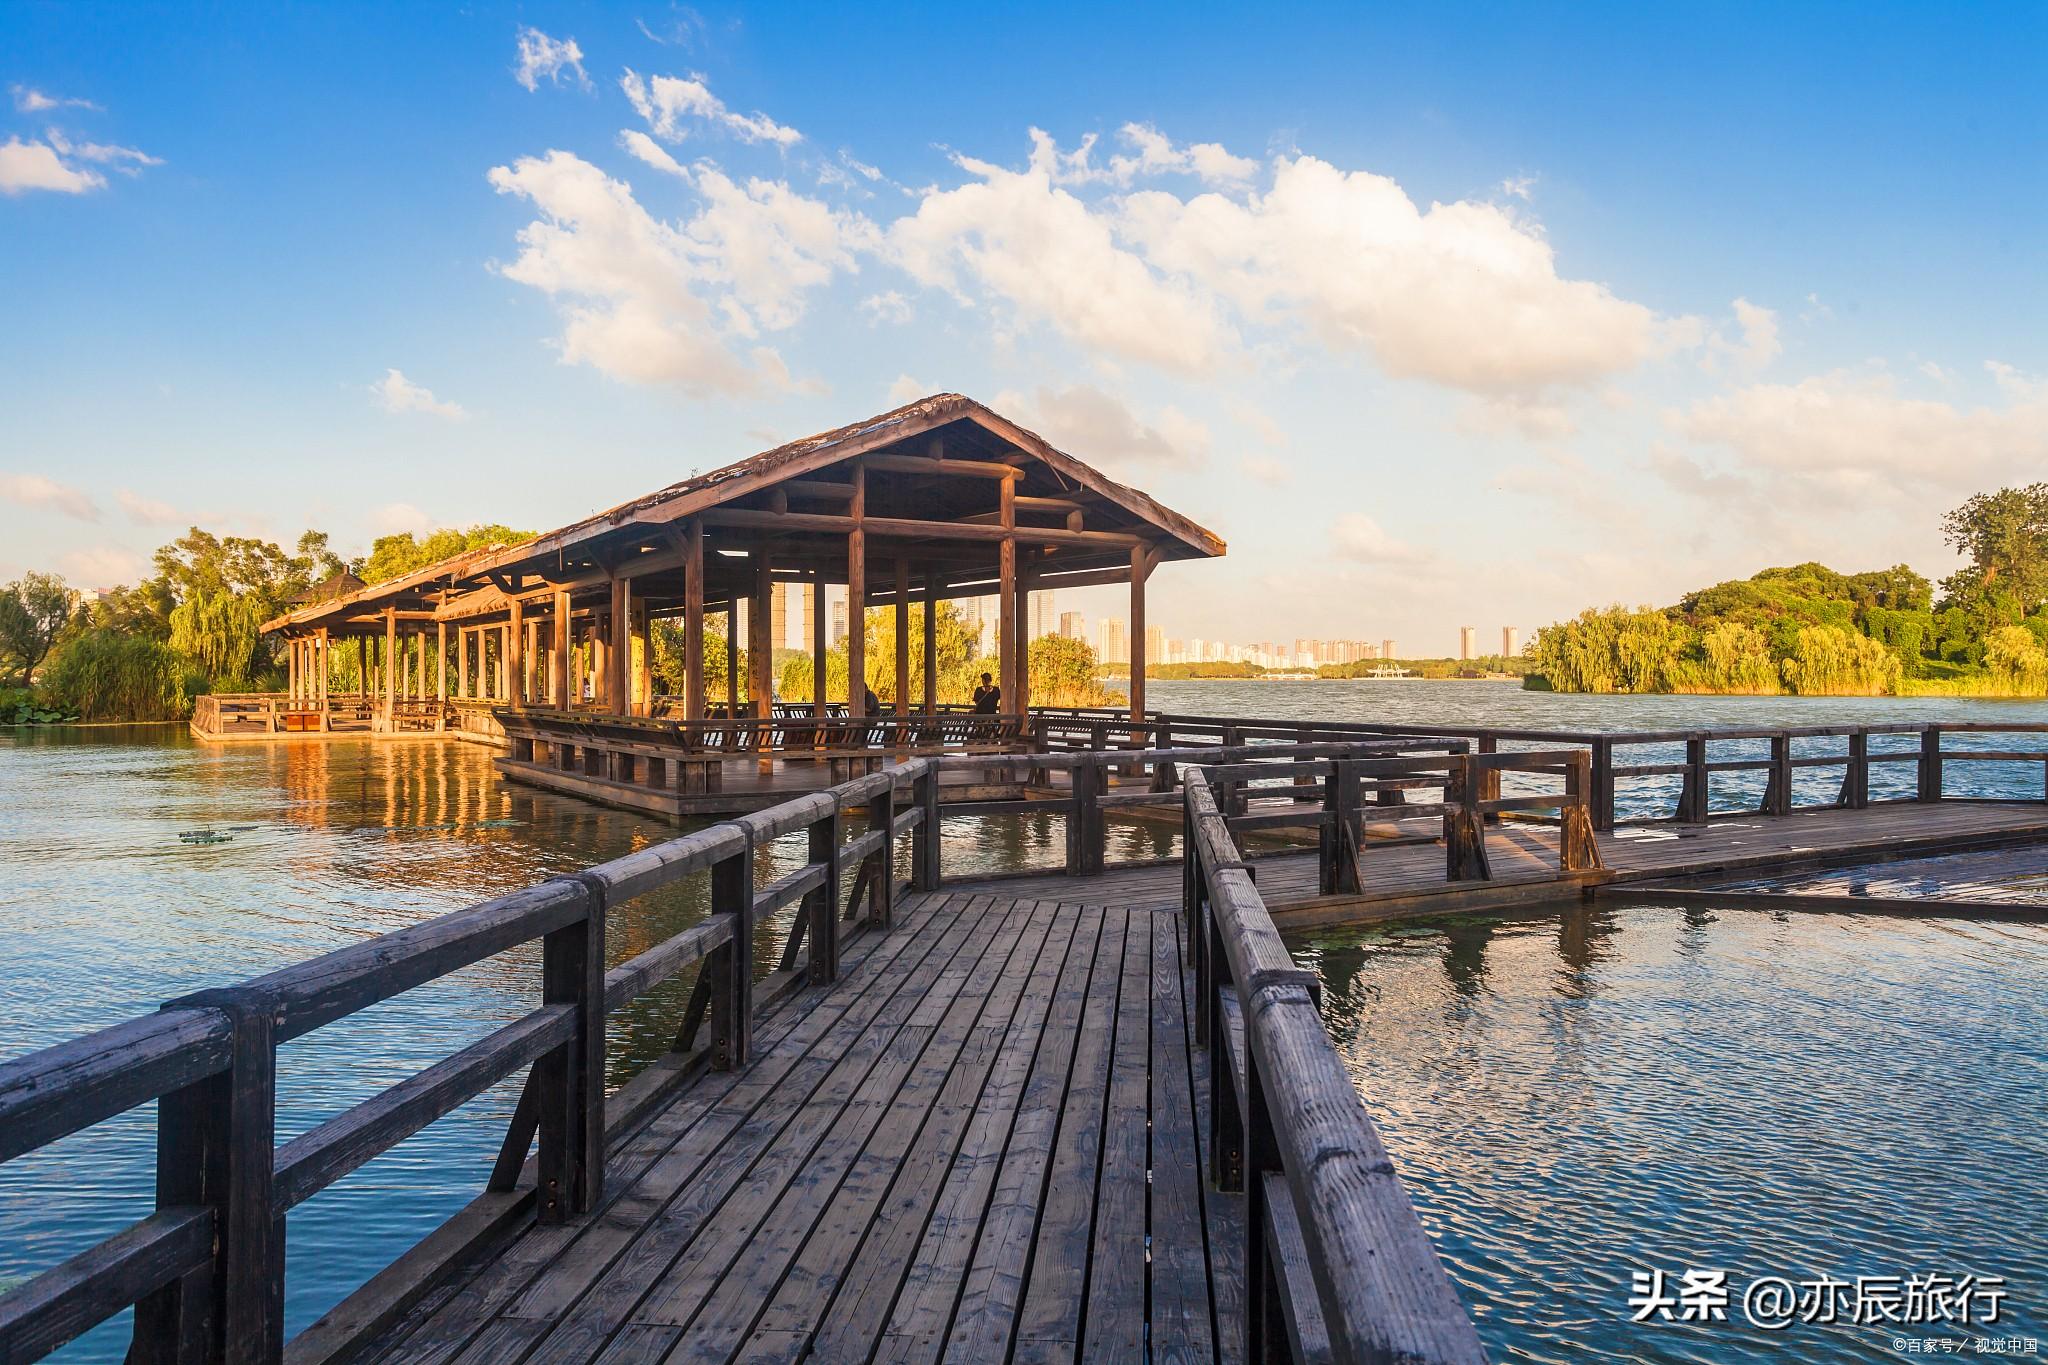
{"x":221,"y":632}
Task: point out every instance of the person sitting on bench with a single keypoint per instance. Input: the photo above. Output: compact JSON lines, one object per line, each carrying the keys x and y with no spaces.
{"x":988,"y":698}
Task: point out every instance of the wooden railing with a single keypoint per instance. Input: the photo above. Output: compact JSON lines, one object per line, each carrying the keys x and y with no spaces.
{"x":1336,"y":1265}
{"x":1674,"y":783}
{"x":205,"y":1271}
{"x":276,"y":713}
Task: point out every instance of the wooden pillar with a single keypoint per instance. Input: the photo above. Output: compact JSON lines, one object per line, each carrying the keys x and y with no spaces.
{"x":902,"y":697}
{"x":693,"y":624}
{"x":820,"y":648}
{"x":1141,"y":569}
{"x":732,"y":657}
{"x":761,"y":640}
{"x":424,"y":689}
{"x":1006,"y":601}
{"x":558,"y":690}
{"x":515,"y":648}
{"x":390,"y":674}
{"x":931,"y":641}
{"x":441,"y":661}
{"x":1021,"y":618}
{"x":322,"y":649}
{"x":363,"y":666}
{"x":618,"y":676}
{"x":857,"y":598}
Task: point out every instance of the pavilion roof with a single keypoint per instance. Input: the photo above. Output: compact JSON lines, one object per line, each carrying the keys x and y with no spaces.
{"x":962,"y":427}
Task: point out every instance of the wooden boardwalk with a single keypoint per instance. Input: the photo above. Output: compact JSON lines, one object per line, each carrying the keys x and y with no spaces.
{"x":1404,"y":874}
{"x":981,"y":1143}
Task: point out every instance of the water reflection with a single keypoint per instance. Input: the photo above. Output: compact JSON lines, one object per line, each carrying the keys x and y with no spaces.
{"x":1574,"y":1095}
{"x":105,"y":912}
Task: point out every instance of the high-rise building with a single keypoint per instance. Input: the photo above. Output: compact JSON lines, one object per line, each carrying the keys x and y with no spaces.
{"x":1386,"y":649}
{"x":778,"y":617}
{"x":1073,"y":625}
{"x":1115,"y":644}
{"x":838,"y":621}
{"x":810,"y":616}
{"x":1043,"y":620}
{"x":1155,"y":645}
{"x":1510,"y":641}
{"x":1466,"y":635}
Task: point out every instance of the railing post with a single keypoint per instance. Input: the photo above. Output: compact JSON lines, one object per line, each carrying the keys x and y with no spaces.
{"x":570,"y":1079}
{"x":1856,"y":776}
{"x":1603,"y":783}
{"x":216,"y":1143}
{"x":1930,"y":764}
{"x":882,"y":885}
{"x":821,"y":907}
{"x":1692,"y":794}
{"x":1578,"y":848}
{"x":1086,"y":833}
{"x":1464,"y":830}
{"x":925,"y":841}
{"x":1778,"y":787}
{"x":1489,"y":778}
{"x":1265,"y":1323}
{"x":731,"y":967}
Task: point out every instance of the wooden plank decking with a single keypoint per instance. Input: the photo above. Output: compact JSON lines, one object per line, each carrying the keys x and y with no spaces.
{"x":983,"y":1142}
{"x":1407,"y":878}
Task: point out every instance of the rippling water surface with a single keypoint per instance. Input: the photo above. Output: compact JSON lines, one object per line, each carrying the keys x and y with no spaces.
{"x":104,"y":914}
{"x":1577,"y":1096}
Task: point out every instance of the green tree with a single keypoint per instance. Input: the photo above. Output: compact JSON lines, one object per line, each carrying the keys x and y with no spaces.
{"x":402,"y":553}
{"x":34,"y":611}
{"x":103,"y":674}
{"x":2016,"y":658}
{"x":1828,"y":661}
{"x":221,"y":632}
{"x":2005,"y":534}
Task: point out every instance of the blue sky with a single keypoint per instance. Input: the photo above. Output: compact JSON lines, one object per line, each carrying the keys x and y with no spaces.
{"x":1433,"y":314}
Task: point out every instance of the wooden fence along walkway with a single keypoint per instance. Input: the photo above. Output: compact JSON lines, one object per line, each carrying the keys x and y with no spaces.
{"x":959,"y":1120}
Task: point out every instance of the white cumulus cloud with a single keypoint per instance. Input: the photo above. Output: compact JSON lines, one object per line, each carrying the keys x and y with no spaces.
{"x":541,"y":57}
{"x":395,"y":393}
{"x":28,"y":166}
{"x":146,"y":511}
{"x":29,"y":100}
{"x":657,"y":302}
{"x":1357,"y":537}
{"x":666,"y":101}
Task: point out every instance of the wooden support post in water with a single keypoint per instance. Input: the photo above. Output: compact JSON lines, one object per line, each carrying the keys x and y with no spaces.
{"x":215,"y":1147}
{"x":761,"y":652}
{"x":326,"y":669}
{"x":569,"y":1079}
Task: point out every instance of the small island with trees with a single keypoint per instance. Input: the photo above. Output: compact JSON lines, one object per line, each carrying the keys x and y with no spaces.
{"x":1808,"y":630}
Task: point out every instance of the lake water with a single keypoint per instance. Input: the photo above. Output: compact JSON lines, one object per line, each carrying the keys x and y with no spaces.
{"x":104,"y":913}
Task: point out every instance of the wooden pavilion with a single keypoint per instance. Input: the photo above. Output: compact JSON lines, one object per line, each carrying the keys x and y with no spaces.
{"x":942,"y":498}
